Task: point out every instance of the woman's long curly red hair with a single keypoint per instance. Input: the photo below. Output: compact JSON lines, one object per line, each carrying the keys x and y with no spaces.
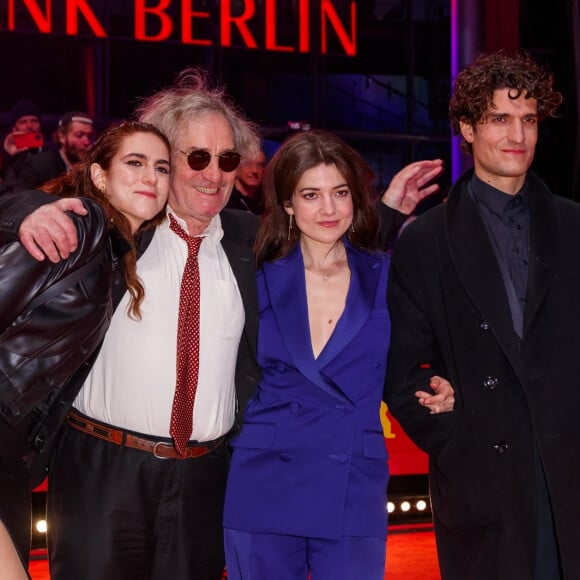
{"x":78,"y":182}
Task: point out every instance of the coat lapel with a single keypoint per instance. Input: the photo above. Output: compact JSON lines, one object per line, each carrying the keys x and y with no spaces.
{"x":476,"y":266}
{"x":543,"y":240}
{"x":243,"y":264}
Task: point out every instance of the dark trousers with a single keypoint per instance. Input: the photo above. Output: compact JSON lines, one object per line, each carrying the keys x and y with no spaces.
{"x":15,"y":505}
{"x":117,"y":513}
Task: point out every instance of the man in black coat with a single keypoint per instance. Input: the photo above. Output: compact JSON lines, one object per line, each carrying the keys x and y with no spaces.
{"x":485,"y":290}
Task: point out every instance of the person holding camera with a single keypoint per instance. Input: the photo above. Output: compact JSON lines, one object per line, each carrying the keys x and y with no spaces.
{"x":74,"y":136}
{"x":25,"y":138}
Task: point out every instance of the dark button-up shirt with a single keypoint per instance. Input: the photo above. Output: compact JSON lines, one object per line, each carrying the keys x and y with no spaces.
{"x":507,"y":220}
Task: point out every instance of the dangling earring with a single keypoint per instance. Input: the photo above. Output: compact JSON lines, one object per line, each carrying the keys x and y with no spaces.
{"x":290,"y":228}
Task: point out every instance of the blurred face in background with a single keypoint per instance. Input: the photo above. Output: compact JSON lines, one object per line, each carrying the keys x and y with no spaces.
{"x":27,"y":124}
{"x":250,"y":172}
{"x":76,"y":141}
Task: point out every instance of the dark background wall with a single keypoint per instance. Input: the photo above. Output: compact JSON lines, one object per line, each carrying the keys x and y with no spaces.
{"x":390,"y":100}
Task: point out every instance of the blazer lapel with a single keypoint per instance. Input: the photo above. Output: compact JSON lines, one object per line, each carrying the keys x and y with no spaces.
{"x":543,"y":240}
{"x":365,"y":271}
{"x":285,"y":283}
{"x":477,"y":267}
{"x":243,"y":264}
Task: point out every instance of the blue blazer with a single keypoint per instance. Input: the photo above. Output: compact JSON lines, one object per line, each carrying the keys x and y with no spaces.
{"x":310,"y":459}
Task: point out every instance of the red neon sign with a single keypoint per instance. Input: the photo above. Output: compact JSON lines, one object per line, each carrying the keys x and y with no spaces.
{"x":155,"y":21}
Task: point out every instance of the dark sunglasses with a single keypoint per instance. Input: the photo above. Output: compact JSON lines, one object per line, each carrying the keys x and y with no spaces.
{"x":199,"y":159}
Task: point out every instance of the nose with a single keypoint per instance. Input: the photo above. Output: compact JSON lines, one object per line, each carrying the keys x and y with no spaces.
{"x":517,"y":133}
{"x":327,"y":205}
{"x":212,"y":172}
{"x":150,"y":175}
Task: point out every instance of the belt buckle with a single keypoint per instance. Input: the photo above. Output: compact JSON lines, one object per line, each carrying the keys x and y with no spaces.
{"x":163,"y":444}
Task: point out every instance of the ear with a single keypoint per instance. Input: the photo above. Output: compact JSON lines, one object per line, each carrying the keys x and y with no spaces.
{"x":61,"y":137}
{"x":287,"y":205}
{"x":466,"y":131}
{"x":99,"y":176}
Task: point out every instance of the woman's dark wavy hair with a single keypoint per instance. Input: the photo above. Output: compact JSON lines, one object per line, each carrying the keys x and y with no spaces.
{"x":78,"y":182}
{"x":476,"y":84}
{"x":300,"y":152}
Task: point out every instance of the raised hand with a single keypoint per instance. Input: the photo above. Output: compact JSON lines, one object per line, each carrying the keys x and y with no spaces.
{"x":412,"y":184}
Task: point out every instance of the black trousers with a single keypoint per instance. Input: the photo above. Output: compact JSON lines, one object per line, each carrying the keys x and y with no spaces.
{"x":116,"y":513}
{"x":15,"y":504}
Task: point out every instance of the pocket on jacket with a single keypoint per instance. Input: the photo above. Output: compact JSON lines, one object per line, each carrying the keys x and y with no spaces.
{"x":374,"y":446}
{"x":255,"y":436}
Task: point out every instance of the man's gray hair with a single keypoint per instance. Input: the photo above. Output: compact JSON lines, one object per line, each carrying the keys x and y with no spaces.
{"x":190,"y":98}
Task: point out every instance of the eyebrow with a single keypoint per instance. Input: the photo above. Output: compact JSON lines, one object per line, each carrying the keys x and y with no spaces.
{"x":319,"y":188}
{"x":144,"y":157}
{"x":500,"y":114}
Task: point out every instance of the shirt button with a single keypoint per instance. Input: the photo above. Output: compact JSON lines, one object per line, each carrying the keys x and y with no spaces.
{"x":490,"y":383}
{"x":501,"y":447}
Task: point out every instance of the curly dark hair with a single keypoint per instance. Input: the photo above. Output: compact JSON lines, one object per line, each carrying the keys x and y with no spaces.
{"x":299,"y":153}
{"x":475,"y":86}
{"x":79,"y":182}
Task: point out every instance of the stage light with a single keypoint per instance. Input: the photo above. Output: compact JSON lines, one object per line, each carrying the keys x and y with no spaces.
{"x":421,"y":505}
{"x":41,"y":526}
{"x":405,"y":506}
{"x":390,"y":507}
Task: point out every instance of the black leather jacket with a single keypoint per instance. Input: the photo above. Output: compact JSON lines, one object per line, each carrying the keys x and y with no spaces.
{"x":41,"y":348}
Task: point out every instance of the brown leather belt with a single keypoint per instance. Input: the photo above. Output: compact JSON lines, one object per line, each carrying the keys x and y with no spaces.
{"x":160,"y":449}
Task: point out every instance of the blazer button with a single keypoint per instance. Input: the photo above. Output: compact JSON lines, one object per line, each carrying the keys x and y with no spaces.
{"x":294,"y":408}
{"x":501,"y":447}
{"x":286,"y":457}
{"x":490,"y":383}
{"x":280,"y":367}
{"x":484,"y":325}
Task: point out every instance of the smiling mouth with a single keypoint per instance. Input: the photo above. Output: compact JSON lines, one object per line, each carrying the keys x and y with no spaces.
{"x":207,"y":190}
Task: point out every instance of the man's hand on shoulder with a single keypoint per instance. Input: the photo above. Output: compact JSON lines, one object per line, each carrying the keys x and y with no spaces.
{"x":49,"y":232}
{"x":412,"y":184}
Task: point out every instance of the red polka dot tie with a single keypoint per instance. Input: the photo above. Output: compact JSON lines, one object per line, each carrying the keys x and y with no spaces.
{"x":187,"y":343}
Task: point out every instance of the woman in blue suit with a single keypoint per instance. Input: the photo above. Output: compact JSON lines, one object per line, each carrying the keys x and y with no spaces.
{"x":307,"y":486}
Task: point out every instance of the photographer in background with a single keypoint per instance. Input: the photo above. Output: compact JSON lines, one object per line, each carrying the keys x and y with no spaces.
{"x":73,"y":137}
{"x":25,"y":138}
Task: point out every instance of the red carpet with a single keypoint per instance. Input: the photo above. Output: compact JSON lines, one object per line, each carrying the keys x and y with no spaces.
{"x":410,"y":556}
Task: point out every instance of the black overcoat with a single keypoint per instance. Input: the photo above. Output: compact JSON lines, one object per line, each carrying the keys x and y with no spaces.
{"x":450,"y":316}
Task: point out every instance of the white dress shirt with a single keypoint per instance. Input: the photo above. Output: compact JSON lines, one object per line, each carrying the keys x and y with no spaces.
{"x":132,"y":383}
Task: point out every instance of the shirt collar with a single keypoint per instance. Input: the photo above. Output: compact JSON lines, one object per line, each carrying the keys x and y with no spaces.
{"x":498,"y":201}
{"x":213,"y":233}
